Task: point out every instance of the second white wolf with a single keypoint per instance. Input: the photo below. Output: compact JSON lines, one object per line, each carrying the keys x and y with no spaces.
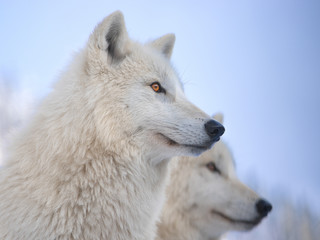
{"x":206,"y":199}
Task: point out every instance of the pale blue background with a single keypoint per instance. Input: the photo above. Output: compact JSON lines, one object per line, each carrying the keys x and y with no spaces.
{"x":256,"y":61}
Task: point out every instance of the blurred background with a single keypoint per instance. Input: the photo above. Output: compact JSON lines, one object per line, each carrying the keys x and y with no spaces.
{"x":257,"y":62}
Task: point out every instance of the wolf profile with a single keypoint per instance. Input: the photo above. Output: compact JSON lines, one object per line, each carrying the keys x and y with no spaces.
{"x":92,"y":163}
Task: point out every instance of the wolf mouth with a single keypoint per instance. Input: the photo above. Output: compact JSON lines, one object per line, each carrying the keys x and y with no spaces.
{"x":171,"y":142}
{"x":237,"y":221}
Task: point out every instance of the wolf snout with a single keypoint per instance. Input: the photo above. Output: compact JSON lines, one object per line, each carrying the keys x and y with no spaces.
{"x":214,"y":129}
{"x":263,"y":207}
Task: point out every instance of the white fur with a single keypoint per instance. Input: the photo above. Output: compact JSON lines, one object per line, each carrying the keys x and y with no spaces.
{"x":92,"y":164}
{"x":198,"y":199}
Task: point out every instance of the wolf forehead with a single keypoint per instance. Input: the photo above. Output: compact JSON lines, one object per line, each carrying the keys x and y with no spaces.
{"x":150,"y":63}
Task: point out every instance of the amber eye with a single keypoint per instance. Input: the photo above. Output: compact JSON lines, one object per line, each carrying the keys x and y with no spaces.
{"x":156,"y":87}
{"x":212,"y":167}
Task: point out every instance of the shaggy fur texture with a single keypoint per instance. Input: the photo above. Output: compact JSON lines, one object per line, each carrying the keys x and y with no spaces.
{"x":92,"y":163}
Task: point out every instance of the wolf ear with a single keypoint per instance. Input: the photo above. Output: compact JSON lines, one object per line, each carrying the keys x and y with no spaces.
{"x":111,"y":36}
{"x":218,"y":117}
{"x":165,"y":44}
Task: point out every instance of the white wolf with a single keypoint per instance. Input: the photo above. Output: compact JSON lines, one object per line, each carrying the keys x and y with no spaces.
{"x":205,"y":198}
{"x":92,"y":164}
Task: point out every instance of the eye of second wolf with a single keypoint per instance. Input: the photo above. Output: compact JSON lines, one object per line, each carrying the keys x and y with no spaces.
{"x":212,"y":167}
{"x":156,"y":86}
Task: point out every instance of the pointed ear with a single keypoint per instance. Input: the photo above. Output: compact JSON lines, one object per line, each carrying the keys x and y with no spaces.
{"x":111,"y":36}
{"x":165,"y":44}
{"x":218,"y":117}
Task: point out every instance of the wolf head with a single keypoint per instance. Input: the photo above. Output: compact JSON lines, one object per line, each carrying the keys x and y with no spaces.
{"x":137,"y":97}
{"x":208,"y":194}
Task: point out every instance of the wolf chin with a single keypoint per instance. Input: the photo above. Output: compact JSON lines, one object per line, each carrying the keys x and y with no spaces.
{"x":92,"y":163}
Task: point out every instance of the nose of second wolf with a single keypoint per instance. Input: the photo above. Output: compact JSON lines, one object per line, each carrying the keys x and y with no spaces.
{"x":214,"y":129}
{"x":263,"y":207}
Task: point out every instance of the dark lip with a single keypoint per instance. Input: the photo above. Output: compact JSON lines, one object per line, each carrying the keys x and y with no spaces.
{"x":237,"y":221}
{"x":207,"y":146}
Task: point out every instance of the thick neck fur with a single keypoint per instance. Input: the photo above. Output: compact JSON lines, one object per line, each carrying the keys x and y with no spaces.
{"x":64,"y":182}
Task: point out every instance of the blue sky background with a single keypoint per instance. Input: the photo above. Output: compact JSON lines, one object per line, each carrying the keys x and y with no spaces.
{"x":256,"y":61}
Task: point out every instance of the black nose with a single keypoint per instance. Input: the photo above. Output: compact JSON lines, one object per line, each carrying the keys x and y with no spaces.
{"x":263,"y":207}
{"x":214,"y":129}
